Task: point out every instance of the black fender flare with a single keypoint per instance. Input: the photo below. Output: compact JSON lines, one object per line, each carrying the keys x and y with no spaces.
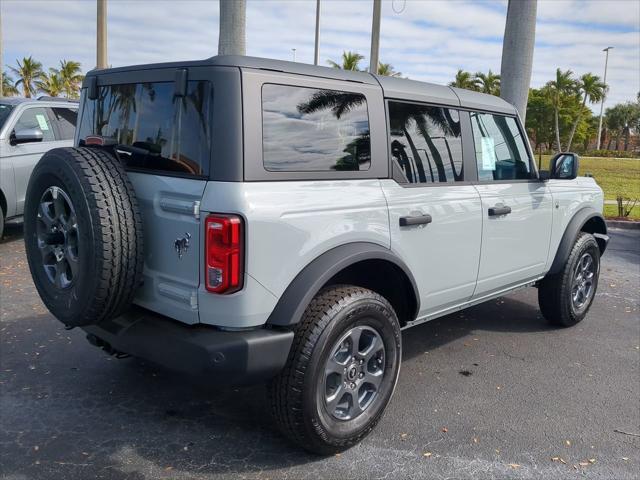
{"x":575,"y":226}
{"x":297,"y":296}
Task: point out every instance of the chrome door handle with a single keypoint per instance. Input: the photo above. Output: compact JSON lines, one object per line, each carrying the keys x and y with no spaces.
{"x":417,"y":220}
{"x":495,"y":211}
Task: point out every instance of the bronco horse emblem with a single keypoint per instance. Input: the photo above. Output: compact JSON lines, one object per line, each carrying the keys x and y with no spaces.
{"x":182,"y":244}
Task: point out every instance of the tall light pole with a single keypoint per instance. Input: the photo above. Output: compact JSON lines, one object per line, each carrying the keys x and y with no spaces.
{"x":375,"y":37}
{"x":316,"y":53}
{"x":233,"y":19}
{"x":517,"y":53}
{"x":606,"y":61}
{"x":293,"y":50}
{"x":101,"y":40}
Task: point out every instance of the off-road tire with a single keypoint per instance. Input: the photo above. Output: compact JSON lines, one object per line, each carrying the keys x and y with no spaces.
{"x":293,"y":394}
{"x":109,"y":234}
{"x":555,"y":291}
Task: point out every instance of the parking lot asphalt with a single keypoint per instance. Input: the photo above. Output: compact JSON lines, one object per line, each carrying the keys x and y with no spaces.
{"x":491,"y":392}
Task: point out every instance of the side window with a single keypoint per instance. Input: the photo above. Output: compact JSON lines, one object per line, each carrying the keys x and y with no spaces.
{"x":426,"y":142}
{"x":314,"y":130}
{"x":501,"y":153}
{"x":65,"y":119}
{"x":154,"y":129}
{"x":36,"y":118}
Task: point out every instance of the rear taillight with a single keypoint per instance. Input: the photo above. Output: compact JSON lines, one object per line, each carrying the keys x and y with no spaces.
{"x":224,"y":253}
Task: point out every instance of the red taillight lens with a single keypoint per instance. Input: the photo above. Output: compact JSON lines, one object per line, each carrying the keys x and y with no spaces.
{"x":224,"y":253}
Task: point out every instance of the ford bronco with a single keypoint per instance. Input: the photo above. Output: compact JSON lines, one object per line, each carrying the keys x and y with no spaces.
{"x":253,"y":220}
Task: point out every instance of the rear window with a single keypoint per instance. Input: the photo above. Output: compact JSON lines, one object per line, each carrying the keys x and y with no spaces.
{"x":154,"y":129}
{"x":314,"y":130}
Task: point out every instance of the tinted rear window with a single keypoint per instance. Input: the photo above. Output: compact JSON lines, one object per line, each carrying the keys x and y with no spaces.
{"x":314,"y":130}
{"x":157,"y":130}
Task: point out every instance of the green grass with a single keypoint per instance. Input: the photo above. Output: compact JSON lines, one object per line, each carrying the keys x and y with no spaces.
{"x":616,"y":176}
{"x":611,"y":211}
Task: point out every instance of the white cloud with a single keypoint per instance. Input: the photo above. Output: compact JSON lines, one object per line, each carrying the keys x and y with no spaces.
{"x":427,"y":40}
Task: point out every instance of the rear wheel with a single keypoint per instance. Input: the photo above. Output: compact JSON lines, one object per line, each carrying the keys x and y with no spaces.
{"x":341,"y":371}
{"x":565,"y":297}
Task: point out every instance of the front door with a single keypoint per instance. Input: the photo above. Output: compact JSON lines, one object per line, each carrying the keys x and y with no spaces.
{"x":516,"y":206}
{"x":435,"y":216}
{"x":25,"y":156}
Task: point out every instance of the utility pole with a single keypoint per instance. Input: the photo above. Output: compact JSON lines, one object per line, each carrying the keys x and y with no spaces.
{"x":375,"y":37}
{"x":233,"y":15}
{"x":517,"y":53}
{"x":316,"y":53}
{"x":606,"y":61}
{"x":101,"y":40}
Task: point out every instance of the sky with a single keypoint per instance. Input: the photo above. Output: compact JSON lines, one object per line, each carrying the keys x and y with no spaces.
{"x":426,"y":40}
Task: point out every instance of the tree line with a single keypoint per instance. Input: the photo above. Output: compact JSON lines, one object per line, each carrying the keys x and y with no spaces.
{"x":558,"y":117}
{"x":31,"y":79}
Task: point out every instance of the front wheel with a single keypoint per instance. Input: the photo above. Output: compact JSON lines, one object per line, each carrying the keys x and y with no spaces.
{"x":341,"y":372}
{"x":565,"y":297}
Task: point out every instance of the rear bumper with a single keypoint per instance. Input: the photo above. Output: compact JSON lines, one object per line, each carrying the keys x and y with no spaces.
{"x":227,"y":357}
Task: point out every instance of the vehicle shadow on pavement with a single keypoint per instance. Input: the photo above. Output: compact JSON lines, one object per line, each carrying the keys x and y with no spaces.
{"x":140,"y":421}
{"x":86,"y":411}
{"x":503,"y":314}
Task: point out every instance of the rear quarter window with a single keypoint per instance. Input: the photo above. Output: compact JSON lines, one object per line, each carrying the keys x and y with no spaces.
{"x":154,"y":130}
{"x":314,"y":130}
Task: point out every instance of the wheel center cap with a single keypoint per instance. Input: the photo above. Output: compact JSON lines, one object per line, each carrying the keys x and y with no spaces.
{"x":352,"y":373}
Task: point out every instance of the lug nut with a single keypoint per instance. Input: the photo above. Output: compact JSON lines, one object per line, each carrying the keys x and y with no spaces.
{"x":353,"y":385}
{"x":361,"y":375}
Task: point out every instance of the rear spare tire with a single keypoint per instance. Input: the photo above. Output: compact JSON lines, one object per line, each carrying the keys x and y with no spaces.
{"x":83,"y":235}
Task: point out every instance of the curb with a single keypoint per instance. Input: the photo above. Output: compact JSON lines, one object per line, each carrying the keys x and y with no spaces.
{"x":624,"y":224}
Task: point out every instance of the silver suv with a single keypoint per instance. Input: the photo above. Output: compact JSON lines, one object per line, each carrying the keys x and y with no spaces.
{"x":255,"y":220}
{"x":28,"y":128}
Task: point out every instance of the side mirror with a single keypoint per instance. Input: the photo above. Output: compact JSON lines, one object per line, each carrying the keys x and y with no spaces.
{"x":27,"y":135}
{"x":564,"y":166}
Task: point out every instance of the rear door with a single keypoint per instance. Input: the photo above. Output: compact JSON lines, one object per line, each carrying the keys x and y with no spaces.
{"x":516,"y":206}
{"x":434,"y":211}
{"x":163,"y":138}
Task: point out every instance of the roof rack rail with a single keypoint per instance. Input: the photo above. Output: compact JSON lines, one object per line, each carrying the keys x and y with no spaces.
{"x":58,"y":99}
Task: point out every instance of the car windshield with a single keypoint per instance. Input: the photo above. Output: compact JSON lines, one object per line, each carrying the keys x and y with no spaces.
{"x":5,"y":111}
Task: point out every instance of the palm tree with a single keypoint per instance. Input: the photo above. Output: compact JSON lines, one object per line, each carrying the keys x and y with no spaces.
{"x":50,"y":83}
{"x":489,"y":83}
{"x":232,"y":37}
{"x":350,"y":61}
{"x":593,"y":91}
{"x":338,"y":102}
{"x":27,"y":72}
{"x":562,"y":86}
{"x":71,"y":77}
{"x":465,"y":80}
{"x":8,"y":87}
{"x":386,"y":70}
{"x":517,"y":53}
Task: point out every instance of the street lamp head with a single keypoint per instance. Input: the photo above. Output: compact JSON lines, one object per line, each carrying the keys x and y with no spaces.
{"x":607,"y":49}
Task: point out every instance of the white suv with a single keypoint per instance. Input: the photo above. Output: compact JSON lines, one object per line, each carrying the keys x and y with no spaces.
{"x":251,"y":219}
{"x":28,"y":128}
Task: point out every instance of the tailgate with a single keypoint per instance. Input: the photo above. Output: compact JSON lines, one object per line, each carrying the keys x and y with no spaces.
{"x":172,"y":244}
